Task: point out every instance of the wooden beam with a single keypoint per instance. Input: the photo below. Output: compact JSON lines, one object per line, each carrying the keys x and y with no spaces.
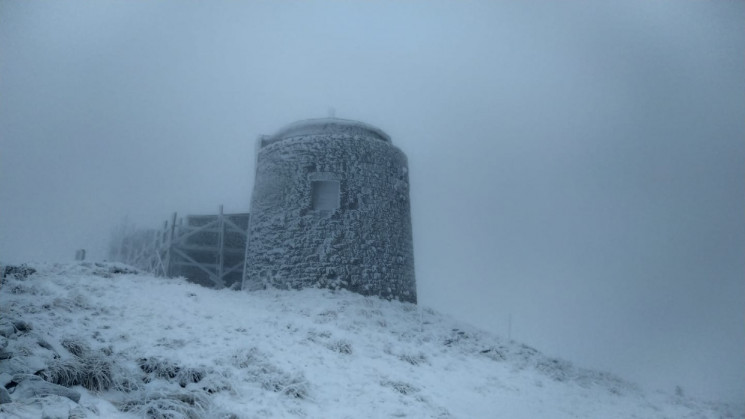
{"x":221,"y":245}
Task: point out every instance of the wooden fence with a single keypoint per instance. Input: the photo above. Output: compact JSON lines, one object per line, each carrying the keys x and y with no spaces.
{"x":205,"y":249}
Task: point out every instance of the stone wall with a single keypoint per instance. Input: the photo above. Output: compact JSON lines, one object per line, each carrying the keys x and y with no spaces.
{"x":362,"y":242}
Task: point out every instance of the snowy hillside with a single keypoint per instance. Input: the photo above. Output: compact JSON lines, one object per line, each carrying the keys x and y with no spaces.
{"x":131,"y":345}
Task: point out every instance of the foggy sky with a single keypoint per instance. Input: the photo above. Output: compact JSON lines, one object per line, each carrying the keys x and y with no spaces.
{"x":578,"y":167}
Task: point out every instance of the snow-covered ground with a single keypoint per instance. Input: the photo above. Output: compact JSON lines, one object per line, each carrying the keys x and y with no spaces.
{"x":132,"y":345}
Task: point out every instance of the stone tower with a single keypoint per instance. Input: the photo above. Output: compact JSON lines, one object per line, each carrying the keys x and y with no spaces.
{"x":330,"y":208}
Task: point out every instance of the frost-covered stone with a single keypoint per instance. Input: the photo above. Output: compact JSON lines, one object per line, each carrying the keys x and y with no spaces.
{"x":6,"y":330}
{"x":32,"y":386}
{"x":4,"y":396}
{"x":330,"y":208}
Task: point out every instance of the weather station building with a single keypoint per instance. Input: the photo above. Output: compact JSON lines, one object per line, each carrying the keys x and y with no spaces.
{"x":330,"y":208}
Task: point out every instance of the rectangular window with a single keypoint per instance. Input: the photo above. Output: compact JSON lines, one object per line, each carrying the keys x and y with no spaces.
{"x":324,"y":194}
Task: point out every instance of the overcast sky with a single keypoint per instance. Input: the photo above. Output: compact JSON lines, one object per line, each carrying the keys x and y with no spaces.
{"x":579,"y":167}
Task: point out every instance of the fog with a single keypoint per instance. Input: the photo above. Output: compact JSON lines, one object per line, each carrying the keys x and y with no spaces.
{"x":576,"y":168}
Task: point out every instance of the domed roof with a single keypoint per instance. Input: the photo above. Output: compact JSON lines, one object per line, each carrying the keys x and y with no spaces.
{"x":326,"y":126}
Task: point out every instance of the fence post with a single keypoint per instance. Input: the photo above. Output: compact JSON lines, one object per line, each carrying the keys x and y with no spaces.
{"x":162,"y":251}
{"x":221,"y":245}
{"x":245,"y":253}
{"x":169,"y":252}
{"x":154,"y":249}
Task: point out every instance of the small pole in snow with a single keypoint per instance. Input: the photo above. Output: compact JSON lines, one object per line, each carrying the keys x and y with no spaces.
{"x":509,"y":326}
{"x":332,"y":112}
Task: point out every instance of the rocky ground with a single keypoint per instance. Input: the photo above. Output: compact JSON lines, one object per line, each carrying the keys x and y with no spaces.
{"x":102,"y":340}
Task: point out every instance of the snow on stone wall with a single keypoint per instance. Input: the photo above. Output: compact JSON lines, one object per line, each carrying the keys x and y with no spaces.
{"x":330,"y":208}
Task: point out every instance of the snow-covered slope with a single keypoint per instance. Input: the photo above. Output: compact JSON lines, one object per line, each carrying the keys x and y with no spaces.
{"x":131,"y":345}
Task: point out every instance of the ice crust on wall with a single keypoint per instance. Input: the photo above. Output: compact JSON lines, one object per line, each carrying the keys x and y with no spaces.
{"x":365,"y":245}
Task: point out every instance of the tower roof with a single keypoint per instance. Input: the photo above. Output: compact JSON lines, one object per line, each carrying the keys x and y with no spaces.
{"x":325,"y":126}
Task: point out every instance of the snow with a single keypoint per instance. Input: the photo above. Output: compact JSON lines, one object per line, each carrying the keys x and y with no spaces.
{"x":172,"y":347}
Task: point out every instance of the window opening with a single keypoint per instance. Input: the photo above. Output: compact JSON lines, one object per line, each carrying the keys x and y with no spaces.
{"x":324,"y":195}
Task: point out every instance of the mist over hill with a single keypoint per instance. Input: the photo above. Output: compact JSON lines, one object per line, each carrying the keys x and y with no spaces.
{"x":576,"y":169}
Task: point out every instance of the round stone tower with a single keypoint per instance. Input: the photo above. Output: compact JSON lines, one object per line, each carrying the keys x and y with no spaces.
{"x":330,"y":208}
